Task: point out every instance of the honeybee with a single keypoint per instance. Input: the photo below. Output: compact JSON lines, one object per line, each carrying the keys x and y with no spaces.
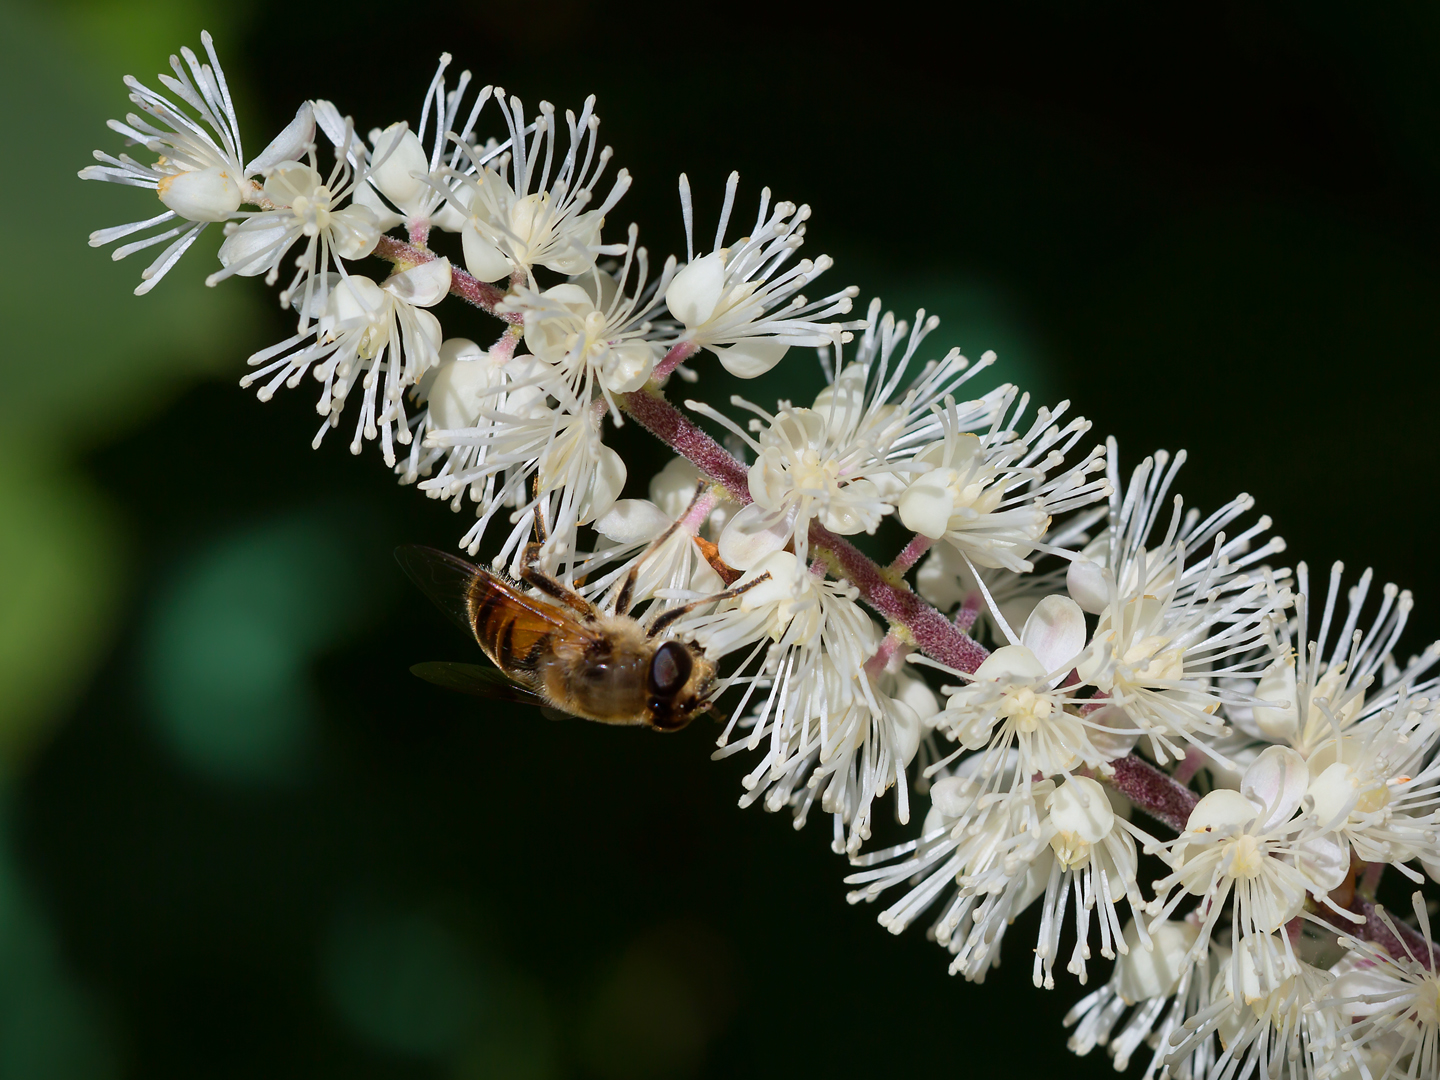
{"x":559,"y":650}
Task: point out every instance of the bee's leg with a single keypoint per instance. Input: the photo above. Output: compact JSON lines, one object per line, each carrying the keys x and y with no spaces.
{"x":624,"y":597}
{"x":670,"y":616}
{"x":550,"y":587}
{"x":709,"y":706}
{"x":542,"y":531}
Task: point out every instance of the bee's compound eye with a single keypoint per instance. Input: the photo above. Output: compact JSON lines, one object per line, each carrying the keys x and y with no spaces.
{"x":670,"y":668}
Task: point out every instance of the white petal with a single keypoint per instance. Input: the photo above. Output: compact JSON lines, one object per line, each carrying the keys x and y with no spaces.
{"x":1325,"y":861}
{"x":354,"y":301}
{"x":918,"y":695}
{"x":1222,"y":810}
{"x":751,"y":357}
{"x":421,"y":286}
{"x":633,"y":521}
{"x":1335,"y":792}
{"x":457,"y":389}
{"x":754,"y":533}
{"x":289,"y":145}
{"x":1080,"y":807}
{"x":928,"y":503}
{"x":905,"y":732}
{"x":330,"y":121}
{"x":952,"y":795}
{"x":944,"y":579}
{"x":609,"y":480}
{"x":1011,"y":663}
{"x":401,"y":165}
{"x":695,"y":290}
{"x":1275,"y":784}
{"x":1055,"y":632}
{"x":627,"y":366}
{"x":673,"y":487}
{"x":385,"y":218}
{"x":1086,"y":582}
{"x":355,"y":231}
{"x":482,"y":258}
{"x":290,"y":180}
{"x":1142,"y":974}
{"x":251,"y":248}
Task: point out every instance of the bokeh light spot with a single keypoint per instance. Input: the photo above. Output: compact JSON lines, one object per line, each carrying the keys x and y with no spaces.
{"x":400,"y":981}
{"x":665,"y":999}
{"x":227,"y":650}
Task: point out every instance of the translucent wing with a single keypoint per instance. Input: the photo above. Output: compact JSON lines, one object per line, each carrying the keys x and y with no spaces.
{"x":477,"y":680}
{"x":446,"y":580}
{"x":486,"y":682}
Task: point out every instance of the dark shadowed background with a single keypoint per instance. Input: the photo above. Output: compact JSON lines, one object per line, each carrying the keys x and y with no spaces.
{"x":237,"y":838}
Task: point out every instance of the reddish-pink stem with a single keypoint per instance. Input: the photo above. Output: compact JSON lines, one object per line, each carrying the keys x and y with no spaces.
{"x":473,"y":291}
{"x":911,"y":554}
{"x":677,"y":355}
{"x":969,"y":612}
{"x":890,"y":648}
{"x":1189,"y":765}
{"x":672,"y":427}
{"x":1155,"y":792}
{"x":934,"y":634}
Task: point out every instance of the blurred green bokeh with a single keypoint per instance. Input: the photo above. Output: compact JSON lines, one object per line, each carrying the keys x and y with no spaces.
{"x":230,"y":642}
{"x":83,"y":362}
{"x":84,"y":359}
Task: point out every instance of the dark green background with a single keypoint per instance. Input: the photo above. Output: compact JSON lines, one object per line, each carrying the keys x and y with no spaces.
{"x":239,"y":838}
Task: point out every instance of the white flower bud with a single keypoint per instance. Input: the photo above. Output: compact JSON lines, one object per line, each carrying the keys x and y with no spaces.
{"x":203,"y":195}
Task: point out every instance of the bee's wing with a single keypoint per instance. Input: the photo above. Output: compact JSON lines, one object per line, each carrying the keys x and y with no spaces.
{"x":476,"y":679}
{"x":486,"y":682}
{"x":446,"y":580}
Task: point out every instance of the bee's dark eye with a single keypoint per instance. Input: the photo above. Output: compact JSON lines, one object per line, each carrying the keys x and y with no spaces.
{"x":670,"y":668}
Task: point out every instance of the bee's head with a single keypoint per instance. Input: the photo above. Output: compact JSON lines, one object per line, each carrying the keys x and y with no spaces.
{"x":678,"y":681}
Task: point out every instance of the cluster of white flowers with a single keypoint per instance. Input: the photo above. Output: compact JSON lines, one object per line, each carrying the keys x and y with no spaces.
{"x":1081,"y":657}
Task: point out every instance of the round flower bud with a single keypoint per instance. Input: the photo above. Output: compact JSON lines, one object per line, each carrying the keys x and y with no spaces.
{"x":202,"y":195}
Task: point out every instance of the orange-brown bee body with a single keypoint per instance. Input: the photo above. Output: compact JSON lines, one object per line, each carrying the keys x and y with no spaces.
{"x":560,"y":648}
